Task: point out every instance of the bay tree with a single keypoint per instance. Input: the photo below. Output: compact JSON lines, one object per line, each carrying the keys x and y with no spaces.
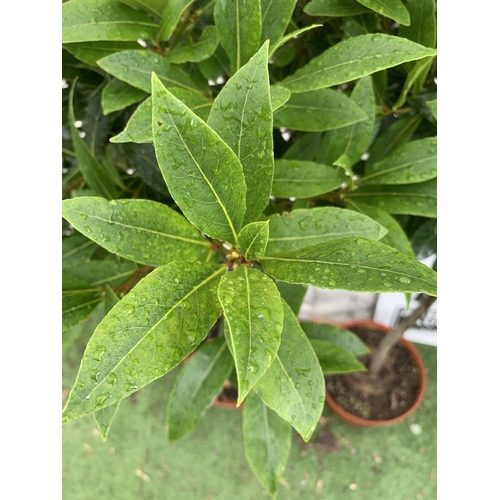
{"x":219,"y":157}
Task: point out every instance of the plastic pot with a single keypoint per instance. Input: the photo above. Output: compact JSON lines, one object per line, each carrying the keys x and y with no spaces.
{"x":361,"y":422}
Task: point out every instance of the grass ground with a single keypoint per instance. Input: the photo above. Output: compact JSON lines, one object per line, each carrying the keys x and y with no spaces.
{"x":137,"y":461}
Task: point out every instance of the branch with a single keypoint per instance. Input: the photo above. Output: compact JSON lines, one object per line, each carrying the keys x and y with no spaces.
{"x":392,"y":338}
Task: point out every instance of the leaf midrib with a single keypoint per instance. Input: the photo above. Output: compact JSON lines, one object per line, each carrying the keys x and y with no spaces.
{"x":397,"y":167}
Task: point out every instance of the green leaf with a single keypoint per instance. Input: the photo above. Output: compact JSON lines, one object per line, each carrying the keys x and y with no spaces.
{"x":79,"y":299}
{"x":267,"y":438}
{"x":76,"y":250}
{"x":136,"y":66}
{"x":294,"y":34}
{"x":292,"y":294}
{"x":242,"y":117}
{"x":154,"y":6}
{"x":143,"y":231}
{"x":279,"y":96}
{"x":354,"y":264}
{"x":397,"y":134}
{"x":305,"y":148}
{"x":252,"y":239}
{"x":203,"y":175}
{"x":239,"y":25}
{"x":200,"y":51}
{"x":146,"y":334}
{"x":104,"y":418}
{"x":196,"y":386}
{"x":139,"y":128}
{"x":254,"y":319}
{"x":102,"y":272}
{"x":98,"y":20}
{"x":354,"y":58}
{"x":424,"y":240}
{"x":417,"y":73}
{"x":294,"y":386}
{"x":91,"y":52}
{"x":171,"y":17}
{"x":413,"y":162}
{"x":395,"y":236}
{"x":303,"y":179}
{"x":334,"y":360}
{"x":93,"y":172}
{"x":334,"y":8}
{"x":318,"y":110}
{"x":350,"y":143}
{"x":276,"y":15}
{"x":340,"y":337}
{"x":432,"y":105}
{"x":393,"y":9}
{"x":307,"y":227}
{"x":111,"y":299}
{"x":117,"y":95}
{"x":412,"y":199}
{"x":423,"y":23}
{"x":83,"y":330}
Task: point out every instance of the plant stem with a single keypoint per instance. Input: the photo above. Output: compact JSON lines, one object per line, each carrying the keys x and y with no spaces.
{"x":392,"y":338}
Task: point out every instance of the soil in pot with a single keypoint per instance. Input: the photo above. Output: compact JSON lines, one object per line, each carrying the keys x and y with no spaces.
{"x":384,"y":398}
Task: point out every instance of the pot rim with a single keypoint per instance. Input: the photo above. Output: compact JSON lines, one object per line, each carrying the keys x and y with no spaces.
{"x":410,"y":348}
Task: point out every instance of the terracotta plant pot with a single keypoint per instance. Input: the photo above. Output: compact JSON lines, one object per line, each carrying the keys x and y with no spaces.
{"x":361,"y":422}
{"x":220,"y":403}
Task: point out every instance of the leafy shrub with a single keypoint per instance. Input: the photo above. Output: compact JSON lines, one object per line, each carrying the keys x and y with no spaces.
{"x":218,"y":158}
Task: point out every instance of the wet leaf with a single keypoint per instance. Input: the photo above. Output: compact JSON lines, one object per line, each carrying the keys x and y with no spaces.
{"x":397,"y":134}
{"x":136,"y":66}
{"x":292,"y":294}
{"x":318,"y":110}
{"x":393,"y":9}
{"x":412,"y":162}
{"x":307,"y":227}
{"x":424,"y":240}
{"x":203,"y":175}
{"x":76,"y":250}
{"x":412,"y":199}
{"x":267,"y":438}
{"x":171,"y":16}
{"x":142,"y":231}
{"x":284,"y":39}
{"x":354,"y":264}
{"x":91,"y":52}
{"x":197,"y":385}
{"x":146,"y":334}
{"x":79,"y":299}
{"x":200,"y":51}
{"x":117,"y":95}
{"x":279,"y":96}
{"x":239,"y":25}
{"x":303,"y":179}
{"x":252,"y":239}
{"x":354,"y":58}
{"x":334,"y":8}
{"x":423,"y":23}
{"x":294,"y":386}
{"x":395,"y":236}
{"x":97,"y":20}
{"x":103,"y":272}
{"x":104,"y":418}
{"x":335,"y":360}
{"x":154,"y":6}
{"x":350,"y":143}
{"x":340,"y":337}
{"x":242,"y":117}
{"x":254,"y":319}
{"x":416,"y":74}
{"x":276,"y":15}
{"x":139,"y":128}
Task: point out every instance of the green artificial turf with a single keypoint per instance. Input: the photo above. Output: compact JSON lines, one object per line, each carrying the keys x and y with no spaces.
{"x":137,"y":461}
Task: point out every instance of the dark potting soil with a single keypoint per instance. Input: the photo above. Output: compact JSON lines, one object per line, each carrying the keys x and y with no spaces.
{"x":390,"y":395}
